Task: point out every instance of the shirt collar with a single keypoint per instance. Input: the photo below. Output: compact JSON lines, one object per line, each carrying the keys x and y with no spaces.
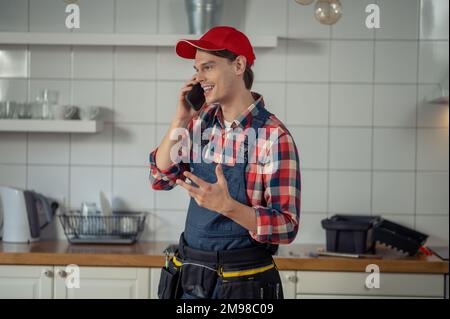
{"x":244,"y":119}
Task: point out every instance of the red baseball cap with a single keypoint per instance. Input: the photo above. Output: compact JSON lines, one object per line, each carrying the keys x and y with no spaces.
{"x":216,"y":39}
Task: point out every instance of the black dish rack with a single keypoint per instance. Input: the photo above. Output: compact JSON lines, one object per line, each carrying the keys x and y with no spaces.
{"x":119,"y":228}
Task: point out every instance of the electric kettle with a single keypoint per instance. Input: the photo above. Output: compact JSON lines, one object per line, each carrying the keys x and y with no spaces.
{"x":25,"y":213}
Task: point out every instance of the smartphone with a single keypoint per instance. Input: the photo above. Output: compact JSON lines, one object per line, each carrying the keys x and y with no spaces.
{"x":195,"y":98}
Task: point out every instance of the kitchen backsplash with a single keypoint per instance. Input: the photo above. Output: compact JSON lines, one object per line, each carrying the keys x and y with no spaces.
{"x":355,"y":100}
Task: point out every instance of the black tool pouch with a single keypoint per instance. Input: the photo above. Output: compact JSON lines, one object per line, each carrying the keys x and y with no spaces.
{"x":169,"y":280}
{"x":265,"y":285}
{"x":198,"y":280}
{"x":168,"y":284}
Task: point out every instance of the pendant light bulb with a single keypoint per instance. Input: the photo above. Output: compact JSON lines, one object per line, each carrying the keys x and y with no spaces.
{"x":304,"y":2}
{"x":328,"y":11}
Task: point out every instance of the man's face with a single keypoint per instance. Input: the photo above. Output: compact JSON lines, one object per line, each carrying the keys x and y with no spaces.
{"x":216,"y":75}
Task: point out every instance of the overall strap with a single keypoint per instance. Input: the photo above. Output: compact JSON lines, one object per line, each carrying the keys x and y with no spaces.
{"x":257,"y":122}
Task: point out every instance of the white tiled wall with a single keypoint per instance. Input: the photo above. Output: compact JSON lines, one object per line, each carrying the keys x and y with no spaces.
{"x":355,"y":100}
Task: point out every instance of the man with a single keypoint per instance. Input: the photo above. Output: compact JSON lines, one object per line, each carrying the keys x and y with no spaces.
{"x":244,"y":180}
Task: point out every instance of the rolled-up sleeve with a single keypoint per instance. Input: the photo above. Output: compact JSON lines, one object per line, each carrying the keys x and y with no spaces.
{"x":278,"y":221}
{"x":165,"y":179}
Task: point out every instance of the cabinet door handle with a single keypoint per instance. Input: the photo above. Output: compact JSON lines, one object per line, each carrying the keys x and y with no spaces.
{"x":48,"y":273}
{"x":62,"y":273}
{"x":292,"y":278}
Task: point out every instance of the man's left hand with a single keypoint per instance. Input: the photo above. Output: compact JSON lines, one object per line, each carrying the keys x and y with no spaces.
{"x":214,"y":196}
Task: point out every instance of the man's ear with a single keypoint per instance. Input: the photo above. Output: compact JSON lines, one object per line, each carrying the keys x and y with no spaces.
{"x":240,"y":64}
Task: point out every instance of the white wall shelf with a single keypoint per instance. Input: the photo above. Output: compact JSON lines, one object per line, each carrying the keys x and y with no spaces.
{"x":72,"y":38}
{"x":50,"y":126}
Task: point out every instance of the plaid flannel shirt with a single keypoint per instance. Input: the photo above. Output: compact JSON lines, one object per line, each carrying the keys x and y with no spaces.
{"x":274,"y":194}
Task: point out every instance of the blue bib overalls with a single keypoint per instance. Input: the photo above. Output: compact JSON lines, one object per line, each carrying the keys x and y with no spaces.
{"x":209,"y":230}
{"x":217,"y":257}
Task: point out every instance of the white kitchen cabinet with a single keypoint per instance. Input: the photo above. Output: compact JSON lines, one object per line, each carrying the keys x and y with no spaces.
{"x":95,"y":282}
{"x":27,"y":282}
{"x":289,"y":281}
{"x":49,"y":282}
{"x":350,"y":284}
{"x":105,"y":282}
{"x":446,"y":286}
{"x":155,"y":273}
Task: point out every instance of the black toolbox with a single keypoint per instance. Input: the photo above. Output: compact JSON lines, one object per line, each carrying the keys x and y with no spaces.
{"x":350,"y":233}
{"x":399,"y":237}
{"x":358,"y":234}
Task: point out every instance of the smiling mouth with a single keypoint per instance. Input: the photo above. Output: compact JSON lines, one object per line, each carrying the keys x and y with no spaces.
{"x":208,"y":89}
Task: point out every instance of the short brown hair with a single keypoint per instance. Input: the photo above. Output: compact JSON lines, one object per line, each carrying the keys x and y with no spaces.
{"x":230,"y":56}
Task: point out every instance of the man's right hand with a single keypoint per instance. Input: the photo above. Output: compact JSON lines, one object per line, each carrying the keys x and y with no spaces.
{"x":184,"y":113}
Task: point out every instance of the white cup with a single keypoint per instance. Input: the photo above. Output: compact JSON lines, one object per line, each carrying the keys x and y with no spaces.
{"x":58,"y":112}
{"x":89,"y":113}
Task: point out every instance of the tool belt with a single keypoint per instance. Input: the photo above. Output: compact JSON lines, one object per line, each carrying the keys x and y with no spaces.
{"x":240,"y":273}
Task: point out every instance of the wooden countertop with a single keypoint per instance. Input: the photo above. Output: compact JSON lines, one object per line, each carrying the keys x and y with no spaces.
{"x":149,"y":254}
